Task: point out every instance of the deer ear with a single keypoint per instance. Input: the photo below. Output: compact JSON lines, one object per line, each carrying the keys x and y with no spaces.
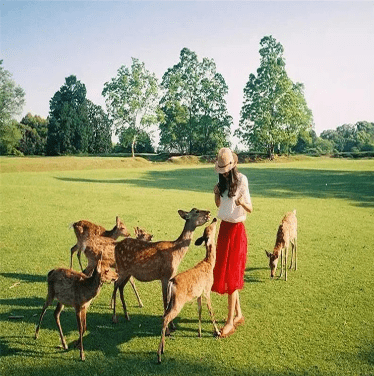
{"x":200,"y":240}
{"x":183,"y":214}
{"x":268,"y":254}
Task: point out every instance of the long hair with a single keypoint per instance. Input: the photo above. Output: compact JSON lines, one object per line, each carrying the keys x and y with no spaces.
{"x":231,"y":183}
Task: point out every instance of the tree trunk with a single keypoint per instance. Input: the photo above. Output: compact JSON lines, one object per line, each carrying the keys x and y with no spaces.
{"x":271,"y":151}
{"x":133,"y":146}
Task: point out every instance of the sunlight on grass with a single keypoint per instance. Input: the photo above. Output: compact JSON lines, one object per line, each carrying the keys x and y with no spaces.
{"x":320,"y":322}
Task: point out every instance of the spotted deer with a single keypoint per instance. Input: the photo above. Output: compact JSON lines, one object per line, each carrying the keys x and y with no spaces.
{"x":89,"y":228}
{"x":75,"y":289}
{"x":191,"y":284}
{"x":149,"y":261}
{"x":95,"y":247}
{"x":287,"y":233}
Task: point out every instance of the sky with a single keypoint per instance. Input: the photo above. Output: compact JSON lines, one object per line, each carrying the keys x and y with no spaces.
{"x":328,"y":46}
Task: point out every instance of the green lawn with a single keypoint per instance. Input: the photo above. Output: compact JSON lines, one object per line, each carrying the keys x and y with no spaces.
{"x":320,"y":322}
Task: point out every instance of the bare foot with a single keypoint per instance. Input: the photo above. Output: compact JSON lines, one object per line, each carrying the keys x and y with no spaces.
{"x":227,"y":330}
{"x":238,"y":320}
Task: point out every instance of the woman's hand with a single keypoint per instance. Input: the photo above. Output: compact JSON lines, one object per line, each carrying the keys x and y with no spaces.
{"x":246,"y":206}
{"x":239,"y":201}
{"x":216,"y":190}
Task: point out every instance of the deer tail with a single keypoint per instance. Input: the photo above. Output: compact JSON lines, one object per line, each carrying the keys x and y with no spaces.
{"x":170,"y":296}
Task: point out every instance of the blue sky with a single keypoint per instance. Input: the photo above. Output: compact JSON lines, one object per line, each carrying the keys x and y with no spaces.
{"x":329,"y":47}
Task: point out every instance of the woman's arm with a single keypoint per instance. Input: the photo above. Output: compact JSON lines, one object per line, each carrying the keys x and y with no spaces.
{"x":245,"y":205}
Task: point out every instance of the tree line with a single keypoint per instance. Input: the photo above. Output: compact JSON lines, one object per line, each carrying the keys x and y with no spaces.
{"x":187,"y":106}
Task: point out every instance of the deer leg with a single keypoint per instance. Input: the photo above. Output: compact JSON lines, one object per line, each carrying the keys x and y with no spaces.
{"x":121,"y":287}
{"x":199,"y":308}
{"x":80,"y":313}
{"x":168,"y":317}
{"x":285,"y":263}
{"x":79,"y":258}
{"x":57,"y":313}
{"x":47,"y":303}
{"x":209,"y":304}
{"x":136,"y":292}
{"x":114,"y":296}
{"x":72,"y":251}
{"x":295,"y":253}
{"x":281,"y":261}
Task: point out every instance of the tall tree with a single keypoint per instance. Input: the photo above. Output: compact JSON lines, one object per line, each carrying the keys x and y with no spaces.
{"x":132,"y":98}
{"x":12,"y":99}
{"x":274,"y":109}
{"x":100,"y":129}
{"x":68,"y":130}
{"x":194,"y":117}
{"x":34,"y":135}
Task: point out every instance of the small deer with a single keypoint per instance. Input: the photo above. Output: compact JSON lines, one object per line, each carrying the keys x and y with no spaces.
{"x":95,"y":247}
{"x":142,"y":234}
{"x":89,"y":228}
{"x":193,"y":283}
{"x":287,"y":233}
{"x":77,"y":290}
{"x":149,"y":261}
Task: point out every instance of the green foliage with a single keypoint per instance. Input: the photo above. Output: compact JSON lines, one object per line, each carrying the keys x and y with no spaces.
{"x":274,"y":110}
{"x":193,"y":117}
{"x":12,"y":99}
{"x":68,"y":131}
{"x":10,"y":136}
{"x":143,"y":142}
{"x":132,"y":98}
{"x":34,"y":135}
{"x":99,"y":130}
{"x":12,"y":96}
{"x":351,"y":138}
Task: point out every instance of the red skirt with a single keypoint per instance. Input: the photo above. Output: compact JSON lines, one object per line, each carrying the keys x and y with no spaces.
{"x":231,"y":258}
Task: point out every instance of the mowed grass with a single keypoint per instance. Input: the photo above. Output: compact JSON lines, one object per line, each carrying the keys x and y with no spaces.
{"x":320,"y":322}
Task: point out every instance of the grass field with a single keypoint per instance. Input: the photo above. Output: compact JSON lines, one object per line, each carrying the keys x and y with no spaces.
{"x":320,"y":322}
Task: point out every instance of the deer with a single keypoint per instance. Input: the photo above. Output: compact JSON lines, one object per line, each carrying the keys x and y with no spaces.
{"x":94,"y":247}
{"x":287,"y":233}
{"x":75,"y":289}
{"x":150,"y":261}
{"x":86,"y":227}
{"x":142,"y":234}
{"x":190,"y":284}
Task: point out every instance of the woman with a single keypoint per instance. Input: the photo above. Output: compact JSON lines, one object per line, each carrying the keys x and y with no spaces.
{"x":233,"y":200}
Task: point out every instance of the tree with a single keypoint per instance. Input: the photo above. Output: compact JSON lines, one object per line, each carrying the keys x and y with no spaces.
{"x":34,"y":135}
{"x":100,"y":129}
{"x":143,"y":145}
{"x":12,"y":99}
{"x":68,"y":130}
{"x":194,"y":117}
{"x":131,"y":99}
{"x":274,"y":109}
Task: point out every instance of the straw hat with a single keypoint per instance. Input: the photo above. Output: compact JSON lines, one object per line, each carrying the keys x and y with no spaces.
{"x":226,"y":161}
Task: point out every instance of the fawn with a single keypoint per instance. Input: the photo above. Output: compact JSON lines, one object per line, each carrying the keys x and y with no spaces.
{"x":287,"y":233}
{"x":149,"y":261}
{"x":193,"y":283}
{"x":89,"y":228}
{"x":77,"y":290}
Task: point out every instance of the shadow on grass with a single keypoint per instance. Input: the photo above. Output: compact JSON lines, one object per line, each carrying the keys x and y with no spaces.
{"x":251,"y":275}
{"x":25,"y":277}
{"x":357,"y":186}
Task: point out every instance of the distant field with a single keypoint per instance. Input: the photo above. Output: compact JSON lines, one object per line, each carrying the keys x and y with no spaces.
{"x":320,"y":322}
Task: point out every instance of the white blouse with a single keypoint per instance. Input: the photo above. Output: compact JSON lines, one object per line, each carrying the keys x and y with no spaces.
{"x":228,"y":211}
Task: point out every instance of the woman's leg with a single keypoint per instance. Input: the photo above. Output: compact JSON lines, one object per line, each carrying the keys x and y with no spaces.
{"x":238,"y":311}
{"x":232,"y":303}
